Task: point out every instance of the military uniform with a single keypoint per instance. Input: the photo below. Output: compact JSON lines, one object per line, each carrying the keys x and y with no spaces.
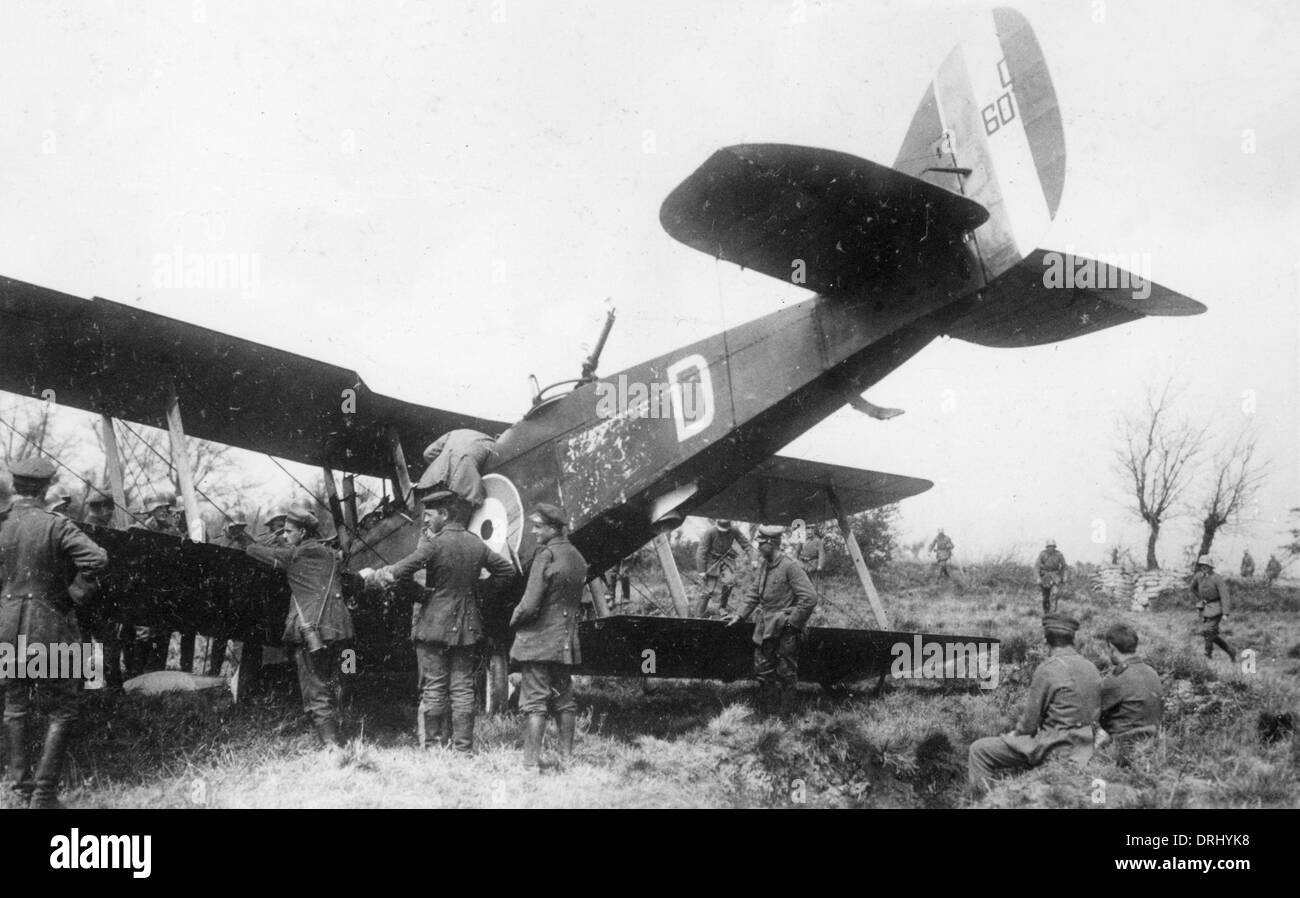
{"x":315,"y":580}
{"x":448,"y":628}
{"x":1131,"y":702}
{"x":1060,"y":714}
{"x":456,"y":461}
{"x":1051,"y":574}
{"x":1247,"y":566}
{"x":1211,"y":593}
{"x":811,"y":556}
{"x":1272,"y":570}
{"x":546,"y":628}
{"x":781,"y":600}
{"x":715,"y":559}
{"x":619,"y":577}
{"x":47,"y":566}
{"x":942,"y":549}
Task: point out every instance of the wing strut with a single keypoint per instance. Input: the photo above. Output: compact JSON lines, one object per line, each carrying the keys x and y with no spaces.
{"x":672,"y":575}
{"x":855,"y":552}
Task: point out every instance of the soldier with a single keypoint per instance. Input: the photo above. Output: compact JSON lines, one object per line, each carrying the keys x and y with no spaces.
{"x":234,"y":534}
{"x":1052,"y":571}
{"x":1272,"y":570}
{"x":1131,"y":693}
{"x":160,"y":516}
{"x":275,"y":520}
{"x":1247,"y":565}
{"x":619,"y":577}
{"x":716,"y":560}
{"x":448,"y":631}
{"x":1211,"y":593}
{"x":38,"y":552}
{"x":456,"y":461}
{"x":546,"y":633}
{"x":1060,"y":711}
{"x":99,"y":508}
{"x":942,"y":549}
{"x":812,"y":555}
{"x":784,"y":598}
{"x":318,"y":627}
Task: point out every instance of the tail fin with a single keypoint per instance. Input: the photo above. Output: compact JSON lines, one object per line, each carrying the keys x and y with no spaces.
{"x":989,"y":128}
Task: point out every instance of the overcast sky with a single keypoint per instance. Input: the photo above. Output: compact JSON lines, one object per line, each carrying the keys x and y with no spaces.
{"x":443,"y":195}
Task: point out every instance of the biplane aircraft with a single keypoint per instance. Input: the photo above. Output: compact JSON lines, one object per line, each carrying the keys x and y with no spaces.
{"x":944,"y":242}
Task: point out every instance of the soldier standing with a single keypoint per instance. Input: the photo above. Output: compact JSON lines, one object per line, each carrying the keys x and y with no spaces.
{"x":318,"y":627}
{"x":1247,"y":565}
{"x":546,"y":633}
{"x":1052,"y":570}
{"x":619,"y":577}
{"x":716,"y":560}
{"x":782,"y":599}
{"x":99,"y":509}
{"x":448,"y":631}
{"x":1272,"y":570}
{"x":942,"y":549}
{"x":812,"y":555}
{"x":1211,"y":593}
{"x":275,"y":520}
{"x":1060,"y":711}
{"x":38,"y":551}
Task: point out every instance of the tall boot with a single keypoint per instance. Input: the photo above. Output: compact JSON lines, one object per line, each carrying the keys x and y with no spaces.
{"x":534,"y":727}
{"x":786,"y":702}
{"x":434,"y":724}
{"x":50,"y":767}
{"x":567,"y":721}
{"x":462,"y":727}
{"x":701,"y":605}
{"x":19,"y":770}
{"x":332,"y":739}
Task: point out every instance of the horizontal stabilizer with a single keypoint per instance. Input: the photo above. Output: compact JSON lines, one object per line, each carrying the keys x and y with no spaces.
{"x":849,"y":222}
{"x":782,"y":489}
{"x":1051,"y":296}
{"x":106,"y":357}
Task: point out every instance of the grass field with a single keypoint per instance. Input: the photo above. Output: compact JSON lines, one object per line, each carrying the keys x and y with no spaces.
{"x":1226,"y":740}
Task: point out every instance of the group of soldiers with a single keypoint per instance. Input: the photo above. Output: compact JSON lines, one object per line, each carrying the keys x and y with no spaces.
{"x":48,"y":568}
{"x":1272,"y":570}
{"x":721,"y":551}
{"x":1071,"y":709}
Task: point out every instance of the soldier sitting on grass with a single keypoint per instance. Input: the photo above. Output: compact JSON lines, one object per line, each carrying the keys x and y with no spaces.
{"x":1131,"y":694}
{"x":1060,"y":712}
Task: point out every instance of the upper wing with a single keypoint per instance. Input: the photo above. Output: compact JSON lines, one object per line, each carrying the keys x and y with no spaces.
{"x":782,"y":489}
{"x":107,"y":357}
{"x":1052,"y":296}
{"x":849,"y":221}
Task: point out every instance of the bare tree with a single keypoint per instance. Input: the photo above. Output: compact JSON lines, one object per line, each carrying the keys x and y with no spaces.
{"x":1238,"y":474}
{"x":1157,"y":456}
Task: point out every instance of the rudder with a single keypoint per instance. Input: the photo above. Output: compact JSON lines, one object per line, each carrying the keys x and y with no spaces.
{"x":989,"y":128}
